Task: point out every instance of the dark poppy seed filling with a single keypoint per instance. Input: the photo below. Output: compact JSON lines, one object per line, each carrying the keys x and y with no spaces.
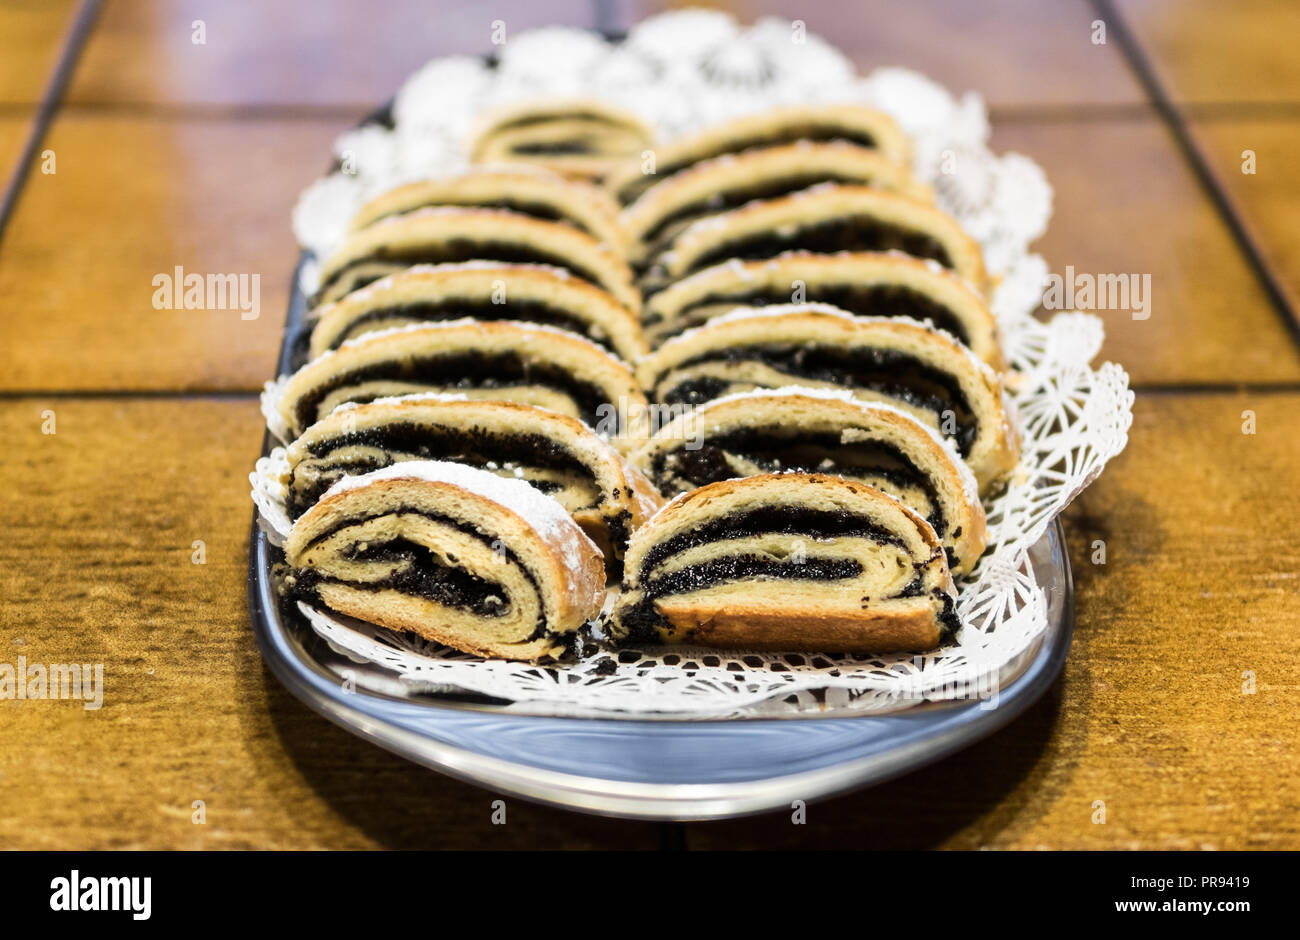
{"x":553,"y":148}
{"x":774,"y":452}
{"x":642,"y":619}
{"x":464,"y":370}
{"x":454,"y":250}
{"x":816,"y":133}
{"x":525,"y":311}
{"x":764,"y":520}
{"x":852,"y":233}
{"x":533,"y":120}
{"x":735,"y":198}
{"x":472,"y":446}
{"x":870,"y":300}
{"x":422,"y":576}
{"x":887,"y":371}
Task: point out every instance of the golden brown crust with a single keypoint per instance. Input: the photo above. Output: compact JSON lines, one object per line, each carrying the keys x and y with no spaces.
{"x":995,"y":450}
{"x":772,"y":627}
{"x":786,"y":614}
{"x":505,"y":287}
{"x":565,"y":567}
{"x":782,"y":219}
{"x":714,"y":291}
{"x":546,"y":348}
{"x":624,"y":497}
{"x":793,"y":416}
{"x":456,"y":234}
{"x":772,"y":127}
{"x":529,"y":190}
{"x":581,"y":137}
{"x":728,"y":181}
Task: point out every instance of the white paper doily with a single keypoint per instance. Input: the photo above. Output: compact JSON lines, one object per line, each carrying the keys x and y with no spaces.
{"x":681,"y":71}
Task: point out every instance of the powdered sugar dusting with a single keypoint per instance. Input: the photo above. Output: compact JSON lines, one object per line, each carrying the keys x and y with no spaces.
{"x":543,"y":513}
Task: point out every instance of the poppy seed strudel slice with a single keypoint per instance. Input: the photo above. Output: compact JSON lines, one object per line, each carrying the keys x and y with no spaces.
{"x":460,"y":556}
{"x":818,"y":431}
{"x":485,"y":291}
{"x":449,"y":234}
{"x":522,"y":362}
{"x":853,"y":124}
{"x":730,"y":181}
{"x":527,"y":190}
{"x":786,"y":561}
{"x":557,"y":454}
{"x":824,"y":219}
{"x":582,"y":137}
{"x":878,"y":284}
{"x":922,"y":371}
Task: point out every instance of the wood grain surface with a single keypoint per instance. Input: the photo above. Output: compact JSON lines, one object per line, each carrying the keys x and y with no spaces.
{"x":135,"y":196}
{"x":1259,"y":163}
{"x":336,"y":54}
{"x":1224,"y":54}
{"x":32,"y":33}
{"x":14,"y":128}
{"x":170,"y":154}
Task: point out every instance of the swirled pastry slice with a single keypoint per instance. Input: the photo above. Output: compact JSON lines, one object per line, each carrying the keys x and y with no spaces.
{"x":448,"y":234}
{"x":485,"y":291}
{"x":815,"y":431}
{"x":581,"y":137}
{"x":922,"y":371}
{"x":853,"y":124}
{"x":824,"y":219}
{"x":502,"y":361}
{"x":557,"y":454}
{"x":788,"y":561}
{"x":730,"y":181}
{"x":460,"y":556}
{"x":879,"y":284}
{"x":527,"y":190}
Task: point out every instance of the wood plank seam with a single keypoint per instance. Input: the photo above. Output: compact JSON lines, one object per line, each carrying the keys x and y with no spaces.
{"x":82,"y":26}
{"x":133,"y":394}
{"x":1177,"y":123}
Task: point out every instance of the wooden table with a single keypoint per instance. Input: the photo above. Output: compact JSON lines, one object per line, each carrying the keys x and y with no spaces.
{"x":170,"y":153}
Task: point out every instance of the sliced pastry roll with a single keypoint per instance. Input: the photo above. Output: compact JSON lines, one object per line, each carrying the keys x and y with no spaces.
{"x":521,"y":362}
{"x":730,"y":181}
{"x":879,"y":284}
{"x":526,"y":190}
{"x":485,"y":291}
{"x":816,"y":431}
{"x":581,"y":138}
{"x":853,"y":124}
{"x":787,"y":561}
{"x":459,"y":556}
{"x":557,"y":454}
{"x":449,"y":234}
{"x":922,"y":371}
{"x":825,"y":219}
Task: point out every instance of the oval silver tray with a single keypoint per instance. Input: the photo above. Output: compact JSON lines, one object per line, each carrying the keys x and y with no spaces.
{"x":645,"y":768}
